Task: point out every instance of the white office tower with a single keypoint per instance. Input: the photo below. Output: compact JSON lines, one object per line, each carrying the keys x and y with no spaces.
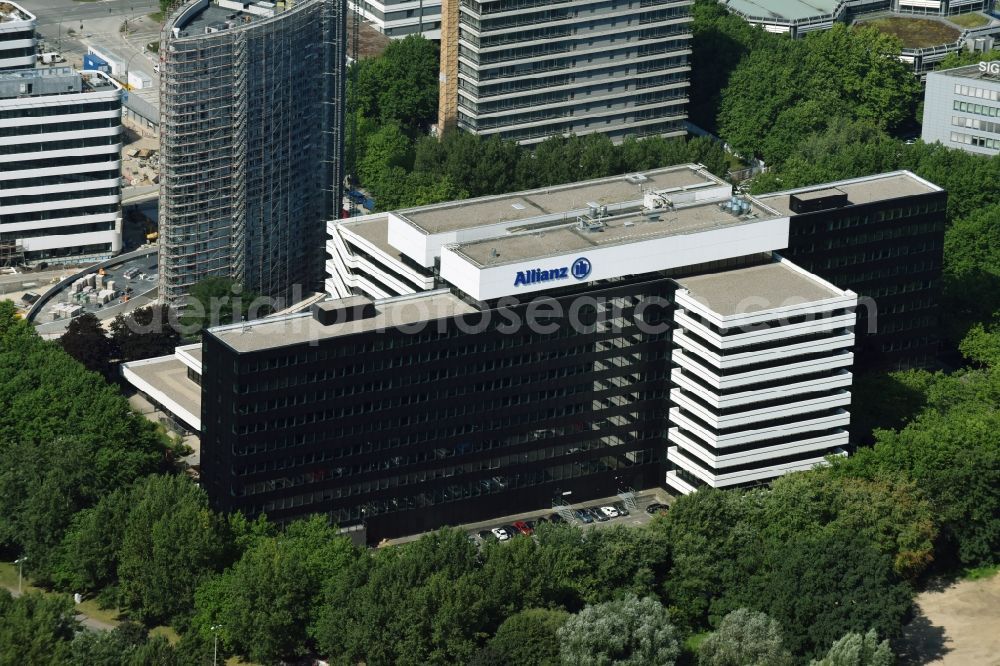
{"x":17,"y":37}
{"x":60,"y":169}
{"x":761,"y":383}
{"x":399,"y":18}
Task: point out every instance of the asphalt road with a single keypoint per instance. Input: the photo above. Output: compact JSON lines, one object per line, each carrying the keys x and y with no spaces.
{"x":99,"y":24}
{"x":55,"y":17}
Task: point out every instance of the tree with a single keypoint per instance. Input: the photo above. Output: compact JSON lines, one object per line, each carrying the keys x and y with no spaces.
{"x":266,"y":602}
{"x":529,"y":638}
{"x":86,"y":341}
{"x":220,"y":300}
{"x":626,"y":632}
{"x":972,"y":270}
{"x":714,"y":546}
{"x":67,"y":438}
{"x":405,"y":82}
{"x":951,"y":451}
{"x":88,"y":555}
{"x":171,"y":544}
{"x":823,"y":584}
{"x":857,"y":650}
{"x":963,"y":57}
{"x":35,"y":629}
{"x":745,"y":638}
{"x":891,"y":513}
{"x":145,"y":333}
{"x":982,"y":346}
{"x":413,"y":604}
{"x":853,"y":73}
{"x":118,"y":647}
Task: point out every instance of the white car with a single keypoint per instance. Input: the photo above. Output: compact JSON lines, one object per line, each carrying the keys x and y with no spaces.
{"x":610,"y":511}
{"x":500,"y":533}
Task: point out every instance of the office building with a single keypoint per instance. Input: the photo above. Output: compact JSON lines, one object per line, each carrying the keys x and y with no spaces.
{"x":399,"y":18}
{"x":60,"y":170}
{"x":917,"y":23}
{"x":672,"y":345}
{"x":962,"y":108}
{"x":251,"y":118}
{"x":528,"y":71}
{"x":882,"y":237}
{"x":17,"y":37}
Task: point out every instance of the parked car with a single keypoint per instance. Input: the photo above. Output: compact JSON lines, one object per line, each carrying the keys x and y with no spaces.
{"x":523,"y":528}
{"x":487,"y":535}
{"x":556,"y":519}
{"x":598,"y":514}
{"x":656,"y":507}
{"x":500,"y":533}
{"x":583,"y":516}
{"x":610,"y":511}
{"x":621,"y":508}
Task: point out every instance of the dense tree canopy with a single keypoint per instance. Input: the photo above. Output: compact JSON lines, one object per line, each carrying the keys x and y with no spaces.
{"x":793,"y":88}
{"x":171,"y":542}
{"x":86,"y":341}
{"x":145,"y":332}
{"x":67,"y":439}
{"x":857,"y":649}
{"x":745,"y":638}
{"x":627,"y":632}
{"x":265,"y":603}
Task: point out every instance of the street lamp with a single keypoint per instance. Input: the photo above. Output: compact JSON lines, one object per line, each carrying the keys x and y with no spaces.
{"x":20,"y":565}
{"x":215,"y":642}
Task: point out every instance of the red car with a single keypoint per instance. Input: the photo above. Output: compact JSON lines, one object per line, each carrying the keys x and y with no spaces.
{"x":523,"y":528}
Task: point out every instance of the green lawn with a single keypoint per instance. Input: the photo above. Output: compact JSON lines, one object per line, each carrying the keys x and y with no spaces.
{"x":915,"y":33}
{"x":8,"y":578}
{"x":167,"y":632}
{"x":981,"y":573}
{"x":92,"y":609}
{"x":972,"y":20}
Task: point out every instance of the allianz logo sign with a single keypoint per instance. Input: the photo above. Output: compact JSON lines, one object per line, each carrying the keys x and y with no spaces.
{"x":989,"y":67}
{"x":580,"y":270}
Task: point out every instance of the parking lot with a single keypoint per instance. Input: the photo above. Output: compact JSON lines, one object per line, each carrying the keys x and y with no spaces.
{"x":637,"y":516}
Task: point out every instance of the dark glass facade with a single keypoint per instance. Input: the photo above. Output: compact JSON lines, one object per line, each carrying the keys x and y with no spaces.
{"x":889,"y":251}
{"x":466,"y":419}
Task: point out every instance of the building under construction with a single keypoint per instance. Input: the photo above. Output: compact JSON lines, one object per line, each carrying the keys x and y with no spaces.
{"x":251,"y":140}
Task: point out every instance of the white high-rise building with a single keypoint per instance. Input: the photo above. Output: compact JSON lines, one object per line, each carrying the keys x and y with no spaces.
{"x":399,"y":18}
{"x":17,"y":37}
{"x":761,"y":383}
{"x":60,"y":169}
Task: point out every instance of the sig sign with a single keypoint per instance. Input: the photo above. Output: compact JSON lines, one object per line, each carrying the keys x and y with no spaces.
{"x":990,"y":67}
{"x":579,"y":269}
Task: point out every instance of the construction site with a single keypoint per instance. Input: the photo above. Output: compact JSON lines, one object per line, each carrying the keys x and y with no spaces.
{"x":251,"y":142}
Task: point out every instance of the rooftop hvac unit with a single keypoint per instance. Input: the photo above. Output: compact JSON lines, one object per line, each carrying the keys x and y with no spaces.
{"x":635,"y":178}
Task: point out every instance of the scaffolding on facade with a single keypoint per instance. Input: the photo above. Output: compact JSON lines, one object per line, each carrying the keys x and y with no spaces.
{"x":251,"y":144}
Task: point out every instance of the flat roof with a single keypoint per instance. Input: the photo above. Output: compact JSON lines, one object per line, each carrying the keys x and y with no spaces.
{"x":485,"y":211}
{"x":788,"y":10}
{"x":302,"y":328}
{"x":629,"y":227}
{"x":169,"y":375}
{"x":880,"y":187}
{"x":756,"y":288}
{"x":967,"y":72}
{"x":376,"y":232}
{"x":13,"y":12}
